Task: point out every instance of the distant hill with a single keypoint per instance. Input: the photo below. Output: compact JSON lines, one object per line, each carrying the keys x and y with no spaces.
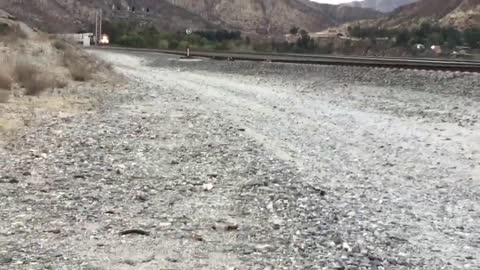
{"x":77,"y":15}
{"x":381,"y":5}
{"x":257,"y":17}
{"x":274,"y":16}
{"x":460,"y":14}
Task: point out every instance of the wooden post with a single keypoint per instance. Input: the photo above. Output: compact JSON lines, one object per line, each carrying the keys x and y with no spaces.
{"x":100,"y":25}
{"x":96,"y":28}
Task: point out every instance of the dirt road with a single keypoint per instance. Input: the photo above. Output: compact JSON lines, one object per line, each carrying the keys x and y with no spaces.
{"x":251,"y":166}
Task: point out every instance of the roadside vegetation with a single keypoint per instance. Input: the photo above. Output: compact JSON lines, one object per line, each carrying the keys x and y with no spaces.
{"x":31,"y":77}
{"x":23,"y":66}
{"x":130,"y":35}
{"x":41,"y":76}
{"x":426,"y":34}
{"x":6,"y":82}
{"x":300,"y":43}
{"x":358,"y":40}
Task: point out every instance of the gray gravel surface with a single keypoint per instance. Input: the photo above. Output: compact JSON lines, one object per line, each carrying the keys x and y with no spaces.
{"x":237,"y":165}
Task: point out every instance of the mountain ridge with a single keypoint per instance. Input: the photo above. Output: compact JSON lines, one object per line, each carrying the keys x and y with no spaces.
{"x":381,"y":5}
{"x":456,"y":13}
{"x":460,"y":14}
{"x":257,"y":17}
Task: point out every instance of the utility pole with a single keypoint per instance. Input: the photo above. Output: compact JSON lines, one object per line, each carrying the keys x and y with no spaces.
{"x":95,"y":40}
{"x":100,"y":25}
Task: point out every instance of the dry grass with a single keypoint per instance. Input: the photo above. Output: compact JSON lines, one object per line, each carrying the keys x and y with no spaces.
{"x":80,"y":66}
{"x":18,"y":33}
{"x":38,"y":84}
{"x":11,"y":33}
{"x":81,"y":72}
{"x":60,"y":84}
{"x":31,"y":77}
{"x":25,"y":70}
{"x":4,"y":95}
{"x":6,"y":80}
{"x":4,"y":29}
{"x":60,"y":45}
{"x":5,"y":125}
{"x":106,"y":66}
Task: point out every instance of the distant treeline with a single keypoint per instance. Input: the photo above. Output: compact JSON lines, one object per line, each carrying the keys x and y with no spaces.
{"x":301,"y":43}
{"x":220,"y":35}
{"x":123,"y":34}
{"x":130,"y":35}
{"x":426,"y":34}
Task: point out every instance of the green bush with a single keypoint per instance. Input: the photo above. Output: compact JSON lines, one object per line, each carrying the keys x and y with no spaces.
{"x":173,"y":44}
{"x":472,"y":37}
{"x":426,"y":33}
{"x":163,"y":44}
{"x":183,"y":44}
{"x":132,"y":40}
{"x":222,"y":46}
{"x":135,"y":35}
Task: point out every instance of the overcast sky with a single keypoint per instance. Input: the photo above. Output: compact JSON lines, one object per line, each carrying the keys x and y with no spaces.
{"x":333,"y":1}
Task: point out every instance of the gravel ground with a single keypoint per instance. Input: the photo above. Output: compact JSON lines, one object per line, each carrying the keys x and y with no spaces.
{"x":238,"y":165}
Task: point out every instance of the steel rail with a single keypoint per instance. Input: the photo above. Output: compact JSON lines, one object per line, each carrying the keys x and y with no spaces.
{"x":388,"y":62}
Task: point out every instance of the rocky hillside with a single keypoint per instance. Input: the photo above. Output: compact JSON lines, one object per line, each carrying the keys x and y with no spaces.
{"x":467,"y":14}
{"x":458,"y":13}
{"x":274,"y":16}
{"x":79,"y":15}
{"x":381,"y":5}
{"x":261,"y":17}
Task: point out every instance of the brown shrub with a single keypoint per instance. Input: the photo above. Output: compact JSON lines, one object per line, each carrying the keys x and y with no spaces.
{"x":4,"y":29}
{"x":78,"y":65}
{"x":12,"y":33}
{"x":18,"y":32}
{"x":4,"y":95}
{"x":106,"y":66}
{"x":60,"y":45}
{"x":5,"y":79}
{"x":31,"y":77}
{"x":59,"y":83}
{"x":38,"y":84}
{"x":81,"y":72}
{"x":25,"y":70}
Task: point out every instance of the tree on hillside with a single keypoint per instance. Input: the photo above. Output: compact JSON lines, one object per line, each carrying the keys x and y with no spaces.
{"x":150,"y":36}
{"x":424,"y":30}
{"x":220,"y":35}
{"x":435,"y":38}
{"x":402,"y":38}
{"x":294,"y":30}
{"x":305,"y":42}
{"x":115,"y":30}
{"x":472,"y":37}
{"x":356,"y":31}
{"x":304,"y":34}
{"x":452,"y":36}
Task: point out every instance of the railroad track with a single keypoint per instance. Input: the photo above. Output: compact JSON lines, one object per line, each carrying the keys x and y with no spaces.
{"x":386,"y":62}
